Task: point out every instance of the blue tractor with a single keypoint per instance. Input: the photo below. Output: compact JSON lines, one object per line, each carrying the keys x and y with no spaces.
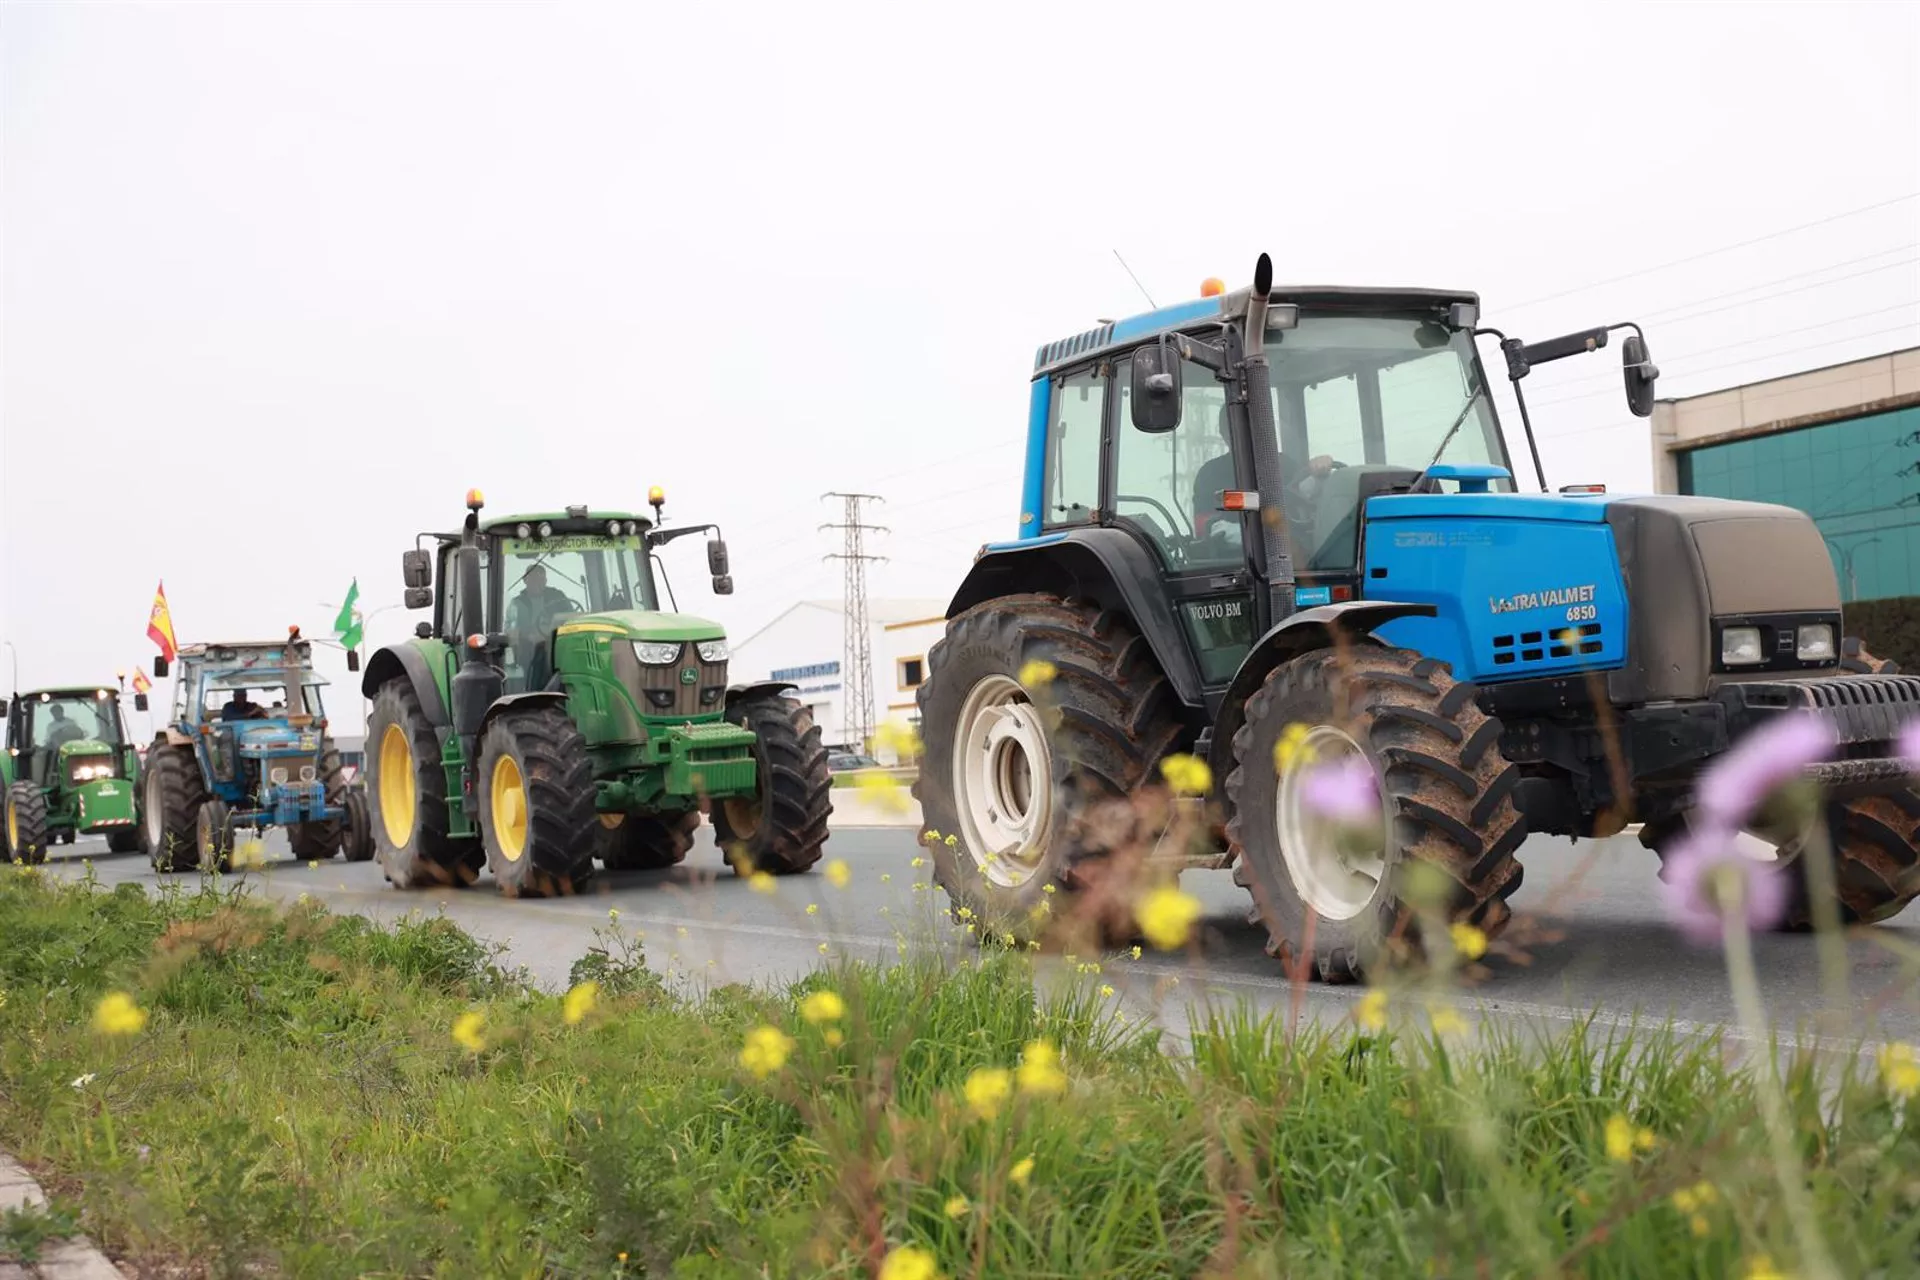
{"x":1280,"y":525}
{"x":247,"y":748}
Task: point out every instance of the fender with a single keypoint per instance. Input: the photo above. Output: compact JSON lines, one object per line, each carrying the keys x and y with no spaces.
{"x":1351,"y":622}
{"x":755,"y":689}
{"x":1107,"y":566}
{"x":409,"y":661}
{"x":6,"y":768}
{"x":520,"y":701}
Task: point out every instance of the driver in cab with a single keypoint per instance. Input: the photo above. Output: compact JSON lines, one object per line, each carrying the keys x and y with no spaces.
{"x":241,"y":707}
{"x":1216,"y":476}
{"x":538,"y":605}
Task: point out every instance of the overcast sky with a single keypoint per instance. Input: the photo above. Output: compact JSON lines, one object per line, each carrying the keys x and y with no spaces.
{"x":282,"y":281}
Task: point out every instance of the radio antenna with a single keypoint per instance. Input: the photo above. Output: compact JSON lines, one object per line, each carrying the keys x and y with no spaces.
{"x":1136,"y":280}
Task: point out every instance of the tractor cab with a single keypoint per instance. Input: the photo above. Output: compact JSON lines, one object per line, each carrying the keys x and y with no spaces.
{"x":257,"y":709}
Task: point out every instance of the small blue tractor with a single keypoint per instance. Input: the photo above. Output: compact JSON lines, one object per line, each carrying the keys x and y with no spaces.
{"x":227,"y":763}
{"x":1276,"y":526}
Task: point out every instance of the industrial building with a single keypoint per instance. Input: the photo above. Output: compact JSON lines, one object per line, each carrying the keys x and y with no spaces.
{"x":1840,"y":443}
{"x":806,"y":644}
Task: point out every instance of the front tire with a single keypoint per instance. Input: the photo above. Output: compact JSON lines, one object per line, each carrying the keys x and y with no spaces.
{"x":1445,"y":800}
{"x":648,"y":842}
{"x":782,"y":829}
{"x":407,"y":794}
{"x":26,"y":824}
{"x":213,"y":836}
{"x":535,"y":794}
{"x":175,"y":792}
{"x":1032,"y":784}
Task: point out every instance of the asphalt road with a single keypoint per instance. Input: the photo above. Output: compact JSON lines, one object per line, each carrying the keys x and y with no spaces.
{"x":1602,"y":948}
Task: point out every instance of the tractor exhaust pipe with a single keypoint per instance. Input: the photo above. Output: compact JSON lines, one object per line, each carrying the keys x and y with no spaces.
{"x":478,"y":683}
{"x":1256,"y":384}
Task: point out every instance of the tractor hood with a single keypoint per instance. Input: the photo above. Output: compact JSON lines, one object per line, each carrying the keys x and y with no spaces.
{"x":1640,"y":587}
{"x":643,"y":624}
{"x":85,"y":747}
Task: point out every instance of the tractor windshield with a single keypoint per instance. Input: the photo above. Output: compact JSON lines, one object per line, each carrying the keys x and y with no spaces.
{"x":548,"y":578}
{"x":256,"y":694}
{"x":56,"y":719}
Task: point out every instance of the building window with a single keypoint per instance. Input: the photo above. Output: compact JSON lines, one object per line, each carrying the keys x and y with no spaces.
{"x":912,"y":671}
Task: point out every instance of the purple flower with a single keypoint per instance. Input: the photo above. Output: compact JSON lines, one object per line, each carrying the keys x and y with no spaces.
{"x":1345,"y":792}
{"x":1738,"y":783}
{"x":1705,"y":876}
{"x":1909,"y":744}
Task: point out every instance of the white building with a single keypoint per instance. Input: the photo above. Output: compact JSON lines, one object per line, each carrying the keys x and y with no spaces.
{"x":806,"y":644}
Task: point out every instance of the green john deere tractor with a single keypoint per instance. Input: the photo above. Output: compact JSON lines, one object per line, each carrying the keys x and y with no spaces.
{"x":69,"y":770}
{"x":551,"y":715}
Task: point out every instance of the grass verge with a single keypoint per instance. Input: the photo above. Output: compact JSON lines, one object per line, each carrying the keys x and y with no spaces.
{"x":296,"y":1093}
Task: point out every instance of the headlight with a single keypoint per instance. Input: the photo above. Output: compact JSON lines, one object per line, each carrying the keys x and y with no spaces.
{"x":613,"y":528}
{"x":713,"y":650}
{"x":1740,"y":646}
{"x":88,"y":772}
{"x":523,"y":529}
{"x":657,"y":653}
{"x":1814,"y":643}
{"x":278,"y":777}
{"x":546,"y":529}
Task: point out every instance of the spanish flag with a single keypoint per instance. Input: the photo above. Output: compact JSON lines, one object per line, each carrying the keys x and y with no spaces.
{"x":160,"y":624}
{"x":140,"y":682}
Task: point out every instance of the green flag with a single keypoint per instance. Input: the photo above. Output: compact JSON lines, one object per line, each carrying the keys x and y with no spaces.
{"x":346,"y":626}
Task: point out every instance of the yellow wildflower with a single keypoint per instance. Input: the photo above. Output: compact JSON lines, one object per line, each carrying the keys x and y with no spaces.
{"x":118,"y":1015}
{"x":1372,"y":1013}
{"x":579,"y":1002}
{"x":1134,"y":951}
{"x":1039,"y":1071}
{"x":885,"y":789}
{"x":613,"y":913}
{"x":833,"y":1038}
{"x":248,"y":854}
{"x":908,"y":1262}
{"x":1900,"y":1069}
{"x":1021,"y":1171}
{"x":313,"y":864}
{"x":1468,"y":941}
{"x":1446,"y":1020}
{"x":1049,"y":888}
{"x":766,"y":1051}
{"x":918,"y":862}
{"x":1623,"y":1139}
{"x":1036,"y":672}
{"x":1166,"y":916}
{"x":1106,"y":990}
{"x":987,"y":1089}
{"x":839,"y":874}
{"x":886,"y":878}
{"x":1762,"y":1268}
{"x":1292,"y":749}
{"x":952,"y":842}
{"x":957,"y":1206}
{"x":813,"y":908}
{"x":822,"y":949}
{"x":466,"y":1030}
{"x":823,"y":1006}
{"x":761,"y":882}
{"x":1187,"y":775}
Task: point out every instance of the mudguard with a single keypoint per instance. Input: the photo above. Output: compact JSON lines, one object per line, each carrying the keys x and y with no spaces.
{"x":519,"y":702}
{"x":755,"y":689}
{"x":410,"y":661}
{"x":1107,"y":566}
{"x":1350,"y":622}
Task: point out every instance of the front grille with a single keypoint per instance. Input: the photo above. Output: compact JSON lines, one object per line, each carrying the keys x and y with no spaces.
{"x":293,"y":770}
{"x":663,"y":692}
{"x":76,"y":763}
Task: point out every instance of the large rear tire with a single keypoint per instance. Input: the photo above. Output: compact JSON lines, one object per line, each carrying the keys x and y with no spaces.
{"x":407,"y":794}
{"x":26,"y":824}
{"x":535,"y":795}
{"x":318,"y":841}
{"x":174,"y":793}
{"x":646,"y":842}
{"x":1446,"y":801}
{"x":783,"y":829}
{"x":1041,"y":717}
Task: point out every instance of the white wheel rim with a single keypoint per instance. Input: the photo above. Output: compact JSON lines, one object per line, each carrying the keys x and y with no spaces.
{"x":156,"y":835}
{"x":1002,"y":781}
{"x":1336,"y":881}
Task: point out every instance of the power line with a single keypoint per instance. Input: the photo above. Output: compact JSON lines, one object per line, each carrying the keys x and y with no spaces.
{"x":1711,"y":253}
{"x":857,"y":640}
{"x":1786,"y":279}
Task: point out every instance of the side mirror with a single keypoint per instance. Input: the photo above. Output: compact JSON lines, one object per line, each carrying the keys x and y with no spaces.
{"x":1639,"y":372}
{"x":159,"y":668}
{"x":1155,"y":388}
{"x":722,"y":584}
{"x":353,"y":659}
{"x":417,"y":568}
{"x":3,"y":706}
{"x":418,"y":597}
{"x":717,"y":558}
{"x":139,"y":702}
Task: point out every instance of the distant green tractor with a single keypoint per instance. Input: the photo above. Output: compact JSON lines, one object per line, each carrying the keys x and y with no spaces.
{"x":68,"y":771}
{"x":552,"y":714}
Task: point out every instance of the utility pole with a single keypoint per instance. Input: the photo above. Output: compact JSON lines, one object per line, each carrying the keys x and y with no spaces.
{"x":856,"y":679}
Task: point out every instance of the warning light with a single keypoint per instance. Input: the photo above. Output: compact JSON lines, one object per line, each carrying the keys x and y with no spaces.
{"x":1240,"y":500}
{"x":476,"y":642}
{"x":475,"y":500}
{"x":1212,"y":287}
{"x":656,"y":496}
{"x":293,"y":632}
{"x":1583,"y":488}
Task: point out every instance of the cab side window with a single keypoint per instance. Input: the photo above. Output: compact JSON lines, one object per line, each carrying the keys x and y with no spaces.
{"x":1073,"y":449}
{"x":1169,"y":485}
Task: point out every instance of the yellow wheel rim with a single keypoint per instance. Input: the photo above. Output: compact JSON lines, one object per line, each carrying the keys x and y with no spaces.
{"x":508,"y":799}
{"x":397,"y":800}
{"x":13,"y":827}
